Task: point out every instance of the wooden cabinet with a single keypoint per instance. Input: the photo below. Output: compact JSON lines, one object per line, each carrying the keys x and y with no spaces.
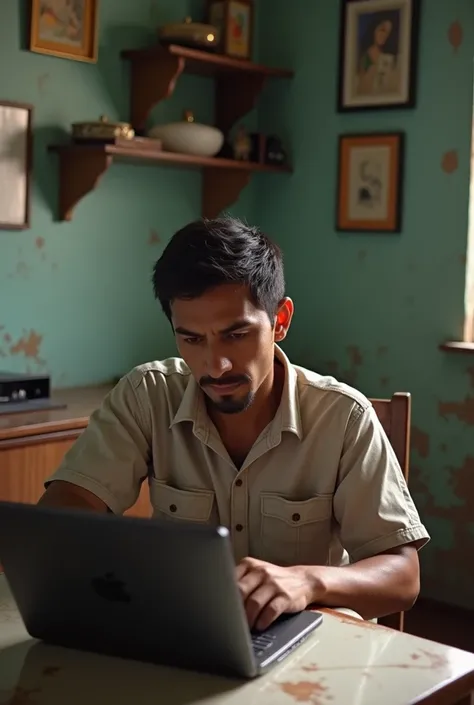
{"x":25,"y":466}
{"x":33,"y":445}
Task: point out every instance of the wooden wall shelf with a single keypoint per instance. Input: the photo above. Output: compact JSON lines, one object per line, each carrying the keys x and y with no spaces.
{"x":155,"y":72}
{"x":82,"y":166}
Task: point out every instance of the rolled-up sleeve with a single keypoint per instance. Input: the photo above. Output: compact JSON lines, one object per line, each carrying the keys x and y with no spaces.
{"x":111,"y":457}
{"x":372,"y":504}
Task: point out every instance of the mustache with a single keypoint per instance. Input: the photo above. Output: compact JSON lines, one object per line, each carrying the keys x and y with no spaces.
{"x":222,"y":381}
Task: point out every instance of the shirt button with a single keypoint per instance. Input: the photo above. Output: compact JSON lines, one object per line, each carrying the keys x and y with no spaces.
{"x":295,"y":517}
{"x":173,"y":507}
{"x":239,"y":527}
{"x":238,"y":483}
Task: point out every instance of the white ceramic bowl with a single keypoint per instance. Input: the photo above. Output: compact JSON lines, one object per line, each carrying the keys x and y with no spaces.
{"x":189,"y":138}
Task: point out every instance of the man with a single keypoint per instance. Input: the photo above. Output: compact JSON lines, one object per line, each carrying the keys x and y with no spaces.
{"x":296,"y":464}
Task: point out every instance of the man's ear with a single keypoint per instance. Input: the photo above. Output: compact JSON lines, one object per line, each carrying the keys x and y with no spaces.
{"x":283,"y":319}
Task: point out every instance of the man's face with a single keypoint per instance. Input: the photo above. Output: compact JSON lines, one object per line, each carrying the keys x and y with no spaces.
{"x":228,"y":344}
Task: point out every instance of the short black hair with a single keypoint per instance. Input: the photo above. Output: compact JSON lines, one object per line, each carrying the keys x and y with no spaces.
{"x":208,"y":253}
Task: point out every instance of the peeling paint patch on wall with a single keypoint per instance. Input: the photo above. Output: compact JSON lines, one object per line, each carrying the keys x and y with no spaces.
{"x":455,"y":35}
{"x":450,"y":162}
{"x":463,"y":410}
{"x":348,"y":375}
{"x":355,"y":360}
{"x":455,"y":521}
{"x":28,"y":345}
{"x":154,"y":238}
{"x":420,"y":441}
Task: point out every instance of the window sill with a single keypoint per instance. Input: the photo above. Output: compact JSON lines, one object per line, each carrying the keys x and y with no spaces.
{"x":457,"y":346}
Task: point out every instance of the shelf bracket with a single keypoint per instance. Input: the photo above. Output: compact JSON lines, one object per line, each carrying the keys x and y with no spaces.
{"x":153,"y":79}
{"x":235,"y":97}
{"x":221,"y":189}
{"x":79,"y":174}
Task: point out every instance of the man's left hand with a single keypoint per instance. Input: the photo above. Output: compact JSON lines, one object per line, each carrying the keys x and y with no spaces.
{"x":270,"y":590}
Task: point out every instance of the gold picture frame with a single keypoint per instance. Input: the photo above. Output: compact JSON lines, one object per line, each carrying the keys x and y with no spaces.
{"x":66,"y":29}
{"x":370,"y":182}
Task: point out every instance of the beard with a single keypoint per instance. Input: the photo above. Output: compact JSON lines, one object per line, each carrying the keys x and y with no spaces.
{"x":230,"y":405}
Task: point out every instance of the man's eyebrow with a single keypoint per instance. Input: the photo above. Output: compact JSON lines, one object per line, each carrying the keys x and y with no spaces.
{"x":243,"y":323}
{"x":238,"y":325}
{"x":185,"y":331}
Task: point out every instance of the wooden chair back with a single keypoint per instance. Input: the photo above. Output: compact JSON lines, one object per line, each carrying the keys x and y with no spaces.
{"x":395,"y":416}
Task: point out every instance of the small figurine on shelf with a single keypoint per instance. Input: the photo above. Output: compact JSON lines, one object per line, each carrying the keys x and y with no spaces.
{"x":275,"y":154}
{"x":242,"y":144}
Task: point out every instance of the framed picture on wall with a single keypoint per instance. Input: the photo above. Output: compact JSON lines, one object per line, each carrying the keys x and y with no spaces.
{"x":65,"y":28}
{"x":15,"y":165}
{"x":378,"y":54}
{"x":369,"y":189}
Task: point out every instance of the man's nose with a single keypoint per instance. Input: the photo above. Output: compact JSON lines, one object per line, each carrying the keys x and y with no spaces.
{"x":217,"y":364}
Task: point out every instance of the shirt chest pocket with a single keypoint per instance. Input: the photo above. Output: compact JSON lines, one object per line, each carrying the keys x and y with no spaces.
{"x":188,"y":505}
{"x":296,"y":532}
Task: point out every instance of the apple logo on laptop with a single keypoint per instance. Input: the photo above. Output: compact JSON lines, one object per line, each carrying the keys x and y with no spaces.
{"x":110,"y":588}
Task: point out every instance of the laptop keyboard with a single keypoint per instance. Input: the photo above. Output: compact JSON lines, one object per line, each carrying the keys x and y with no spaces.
{"x":262,"y":641}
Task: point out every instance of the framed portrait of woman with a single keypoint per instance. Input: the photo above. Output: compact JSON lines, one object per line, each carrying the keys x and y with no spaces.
{"x":378,"y":54}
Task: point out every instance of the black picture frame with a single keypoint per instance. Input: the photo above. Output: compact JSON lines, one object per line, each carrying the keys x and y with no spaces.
{"x":406,"y":14}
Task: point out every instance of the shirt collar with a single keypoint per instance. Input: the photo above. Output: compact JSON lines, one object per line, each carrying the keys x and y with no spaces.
{"x":289,"y":409}
{"x":287,"y":418}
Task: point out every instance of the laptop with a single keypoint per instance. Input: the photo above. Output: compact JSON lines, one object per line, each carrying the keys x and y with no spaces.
{"x":151,"y":590}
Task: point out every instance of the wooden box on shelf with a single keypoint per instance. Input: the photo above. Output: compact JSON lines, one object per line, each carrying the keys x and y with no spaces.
{"x":234,"y":19}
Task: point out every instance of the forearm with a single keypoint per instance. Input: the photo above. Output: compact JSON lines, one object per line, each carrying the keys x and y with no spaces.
{"x":373,"y":587}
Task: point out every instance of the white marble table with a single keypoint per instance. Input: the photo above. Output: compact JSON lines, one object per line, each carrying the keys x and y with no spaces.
{"x":346,"y":662}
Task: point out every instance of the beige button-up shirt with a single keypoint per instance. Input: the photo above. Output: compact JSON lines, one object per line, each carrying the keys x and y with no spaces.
{"x":321,"y":485}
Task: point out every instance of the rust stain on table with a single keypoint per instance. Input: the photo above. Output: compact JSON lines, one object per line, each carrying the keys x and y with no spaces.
{"x":306,"y":692}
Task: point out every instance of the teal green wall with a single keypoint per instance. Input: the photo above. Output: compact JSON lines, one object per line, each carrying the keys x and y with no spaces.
{"x":84,"y":298}
{"x":372,"y":309}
